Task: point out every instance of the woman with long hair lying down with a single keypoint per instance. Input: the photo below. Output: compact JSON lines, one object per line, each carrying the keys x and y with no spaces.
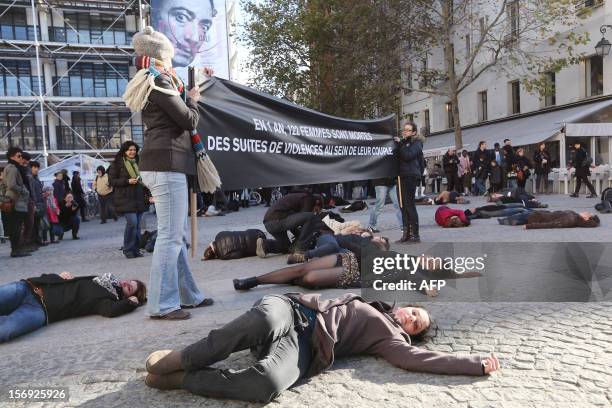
{"x":299,"y":336}
{"x":344,"y":270}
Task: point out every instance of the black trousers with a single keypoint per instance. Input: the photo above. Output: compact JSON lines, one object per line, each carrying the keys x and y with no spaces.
{"x":307,"y":223}
{"x":453,"y":182}
{"x":13,"y":223}
{"x":270,"y":327}
{"x":407,"y":191}
{"x":583,"y":178}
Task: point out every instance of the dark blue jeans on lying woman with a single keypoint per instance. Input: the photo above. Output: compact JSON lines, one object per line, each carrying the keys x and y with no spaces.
{"x":20,"y":311}
{"x":517,"y":219}
{"x":326,"y":245}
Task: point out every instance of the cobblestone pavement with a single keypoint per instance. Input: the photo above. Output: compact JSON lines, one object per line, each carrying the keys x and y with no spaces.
{"x":552,"y":354}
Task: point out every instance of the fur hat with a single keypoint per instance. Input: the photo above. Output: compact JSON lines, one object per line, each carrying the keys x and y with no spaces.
{"x":153,"y":44}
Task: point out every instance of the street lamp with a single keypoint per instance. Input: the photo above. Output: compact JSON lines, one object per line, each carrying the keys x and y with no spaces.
{"x":603,"y":46}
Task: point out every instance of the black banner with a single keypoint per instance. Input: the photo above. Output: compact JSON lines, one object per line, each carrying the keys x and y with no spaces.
{"x":257,"y":140}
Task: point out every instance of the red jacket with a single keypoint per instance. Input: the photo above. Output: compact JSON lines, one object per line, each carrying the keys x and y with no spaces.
{"x":444,"y":214}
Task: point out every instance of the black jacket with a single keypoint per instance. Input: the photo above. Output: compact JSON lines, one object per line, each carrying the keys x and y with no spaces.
{"x":450,"y":164}
{"x":495,"y":174}
{"x":538,"y":157}
{"x":481,"y":161}
{"x":167,"y":141}
{"x":410,"y":156}
{"x":522,"y":162}
{"x":578,"y":161}
{"x":292,"y":203}
{"x":77,"y":188}
{"x":81,"y":296}
{"x":237,"y":244}
{"x":67,"y":213}
{"x":508,"y":156}
{"x":36,"y":188}
{"x":128,"y":198}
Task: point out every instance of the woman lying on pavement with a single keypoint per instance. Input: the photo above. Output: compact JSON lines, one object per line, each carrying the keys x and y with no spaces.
{"x":29,"y":304}
{"x":453,"y":218}
{"x":344,"y":270}
{"x":233,"y":245}
{"x":328,"y":244}
{"x":552,"y":219}
{"x":299,"y":336}
{"x":516,"y":196}
{"x":445,"y":197}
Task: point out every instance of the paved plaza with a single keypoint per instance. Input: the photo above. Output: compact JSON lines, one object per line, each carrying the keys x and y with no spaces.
{"x":552,"y":354}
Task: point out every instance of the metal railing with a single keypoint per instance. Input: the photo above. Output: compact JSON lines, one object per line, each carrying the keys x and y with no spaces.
{"x":107,"y":137}
{"x":109,"y":37}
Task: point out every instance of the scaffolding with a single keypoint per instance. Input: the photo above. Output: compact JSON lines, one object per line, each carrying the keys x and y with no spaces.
{"x":44,"y":51}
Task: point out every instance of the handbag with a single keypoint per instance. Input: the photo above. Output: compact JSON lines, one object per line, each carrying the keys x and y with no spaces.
{"x":7,"y":204}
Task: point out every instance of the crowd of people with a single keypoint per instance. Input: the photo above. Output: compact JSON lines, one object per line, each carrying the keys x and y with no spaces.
{"x":295,"y":335}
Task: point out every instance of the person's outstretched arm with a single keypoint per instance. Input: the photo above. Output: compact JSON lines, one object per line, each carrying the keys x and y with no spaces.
{"x":114,"y":308}
{"x":403,"y":355}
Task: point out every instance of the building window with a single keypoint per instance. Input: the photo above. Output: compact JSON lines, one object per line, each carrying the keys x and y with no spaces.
{"x":17,"y":130}
{"x":513,"y":19}
{"x":425,"y":80}
{"x":427,"y":123}
{"x":594,"y":76}
{"x":482,"y":26}
{"x":409,"y":79}
{"x":483,"y":113}
{"x":14,"y":24}
{"x":550,"y":89}
{"x":468,"y":46}
{"x":93,"y":80}
{"x":515,"y":97}
{"x":16,"y":79}
{"x":450,"y":121}
{"x":101,"y":130}
{"x":85,"y":28}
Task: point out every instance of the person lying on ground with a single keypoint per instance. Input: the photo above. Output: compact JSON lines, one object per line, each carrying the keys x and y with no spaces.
{"x":344,"y":270}
{"x":328,"y":244}
{"x":496,"y":210}
{"x":552,"y":219}
{"x":451,"y":218}
{"x":30,"y":304}
{"x":290,"y":213}
{"x":299,"y":336}
{"x":516,"y":195}
{"x":605,"y":206}
{"x":445,"y":197}
{"x":233,"y":245}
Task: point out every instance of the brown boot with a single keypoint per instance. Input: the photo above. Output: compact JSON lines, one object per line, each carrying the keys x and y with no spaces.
{"x":296,"y":257}
{"x":164,"y":362}
{"x":172,"y":381}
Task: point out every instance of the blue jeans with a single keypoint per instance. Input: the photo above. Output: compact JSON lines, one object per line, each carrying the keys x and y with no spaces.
{"x":20,"y":311}
{"x":131,"y":235}
{"x":381,"y":197}
{"x":171,"y":284}
{"x":516,"y":219}
{"x":326,"y":245}
{"x":481,"y":185}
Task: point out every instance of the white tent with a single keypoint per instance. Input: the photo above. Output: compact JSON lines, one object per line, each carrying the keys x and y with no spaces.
{"x":82,"y":163}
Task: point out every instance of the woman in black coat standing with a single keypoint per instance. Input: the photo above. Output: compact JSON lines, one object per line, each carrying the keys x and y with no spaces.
{"x":130,"y":195}
{"x":541,"y":160}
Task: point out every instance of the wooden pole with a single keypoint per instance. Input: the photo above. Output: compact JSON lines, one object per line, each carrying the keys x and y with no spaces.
{"x":399,"y":192}
{"x":194,"y":221}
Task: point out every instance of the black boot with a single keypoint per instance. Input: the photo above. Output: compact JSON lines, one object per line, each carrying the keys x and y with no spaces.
{"x":405,"y":237}
{"x":245,"y":284}
{"x":414,"y":234}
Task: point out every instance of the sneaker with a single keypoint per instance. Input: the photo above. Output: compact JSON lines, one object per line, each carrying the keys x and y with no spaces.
{"x":179,"y":314}
{"x":296,"y":257}
{"x":373,"y":230}
{"x":574,"y":195}
{"x":204,"y":303}
{"x":261,"y":248}
{"x":592,"y":196}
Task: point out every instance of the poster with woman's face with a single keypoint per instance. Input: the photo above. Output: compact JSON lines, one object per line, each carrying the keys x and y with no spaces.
{"x":198,"y":31}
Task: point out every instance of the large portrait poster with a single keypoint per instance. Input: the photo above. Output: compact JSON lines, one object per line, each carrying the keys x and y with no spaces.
{"x":198,"y":30}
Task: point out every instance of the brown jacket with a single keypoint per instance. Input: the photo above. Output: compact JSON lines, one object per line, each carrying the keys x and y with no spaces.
{"x":167,"y":142}
{"x":553,"y":219}
{"x":350,"y":326}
